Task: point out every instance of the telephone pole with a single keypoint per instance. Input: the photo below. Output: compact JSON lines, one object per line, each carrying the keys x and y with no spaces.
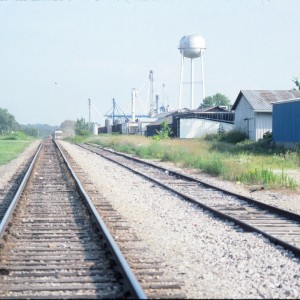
{"x":89,"y":113}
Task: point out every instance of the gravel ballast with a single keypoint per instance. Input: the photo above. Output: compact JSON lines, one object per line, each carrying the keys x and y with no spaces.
{"x":9,"y":170}
{"x":212,"y":258}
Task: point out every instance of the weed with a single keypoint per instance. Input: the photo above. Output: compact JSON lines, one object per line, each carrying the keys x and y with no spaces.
{"x":213,"y":156}
{"x":267,"y":178}
{"x":164,"y":132}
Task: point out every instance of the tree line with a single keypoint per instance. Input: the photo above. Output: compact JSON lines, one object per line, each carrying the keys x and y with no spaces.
{"x":9,"y":124}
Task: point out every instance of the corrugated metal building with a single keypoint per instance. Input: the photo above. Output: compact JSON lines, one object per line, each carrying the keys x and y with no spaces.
{"x":186,"y":123}
{"x":167,"y":117}
{"x":201,"y":122}
{"x":286,"y":121}
{"x":253,"y":110}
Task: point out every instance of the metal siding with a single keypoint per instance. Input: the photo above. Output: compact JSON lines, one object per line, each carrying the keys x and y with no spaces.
{"x":286,"y":122}
{"x":195,"y":128}
{"x":253,"y":124}
{"x":263,"y":124}
{"x":244,"y":118}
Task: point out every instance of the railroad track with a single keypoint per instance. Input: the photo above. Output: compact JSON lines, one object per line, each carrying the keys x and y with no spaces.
{"x":279,"y":226}
{"x":53,"y":242}
{"x":148,"y":269}
{"x":8,"y":191}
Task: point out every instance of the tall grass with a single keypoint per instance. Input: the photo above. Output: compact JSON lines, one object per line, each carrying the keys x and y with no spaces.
{"x":244,"y":161}
{"x":267,"y":178}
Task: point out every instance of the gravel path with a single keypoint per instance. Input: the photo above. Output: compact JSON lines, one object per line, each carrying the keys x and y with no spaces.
{"x":211,"y":258}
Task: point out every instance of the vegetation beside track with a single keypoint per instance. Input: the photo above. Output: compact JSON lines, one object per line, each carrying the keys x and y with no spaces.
{"x":11,"y":145}
{"x":229,"y":156}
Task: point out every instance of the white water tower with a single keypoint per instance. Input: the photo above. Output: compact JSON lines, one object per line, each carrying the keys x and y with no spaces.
{"x":191,"y":46}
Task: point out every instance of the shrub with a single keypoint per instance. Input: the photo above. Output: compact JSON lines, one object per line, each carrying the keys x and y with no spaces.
{"x":267,"y":141}
{"x":164,"y":132}
{"x":212,"y":137}
{"x":233,"y":137}
{"x":16,"y":136}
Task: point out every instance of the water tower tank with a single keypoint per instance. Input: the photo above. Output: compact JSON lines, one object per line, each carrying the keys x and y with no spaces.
{"x":190,"y":45}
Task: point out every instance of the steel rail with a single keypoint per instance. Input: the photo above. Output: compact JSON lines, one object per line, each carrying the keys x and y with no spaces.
{"x":223,"y":216}
{"x":8,"y":215}
{"x":178,"y":175}
{"x":126,"y":271}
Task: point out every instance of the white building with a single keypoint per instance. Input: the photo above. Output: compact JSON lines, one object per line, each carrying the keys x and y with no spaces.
{"x":253,"y":110}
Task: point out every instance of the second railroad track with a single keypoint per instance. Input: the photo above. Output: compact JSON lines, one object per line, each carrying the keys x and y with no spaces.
{"x":280,"y":226}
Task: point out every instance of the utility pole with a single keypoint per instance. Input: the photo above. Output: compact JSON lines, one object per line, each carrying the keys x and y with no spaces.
{"x":151,"y":92}
{"x":156,"y":101}
{"x":163,"y":99}
{"x":113,"y":112}
{"x":89,"y":113}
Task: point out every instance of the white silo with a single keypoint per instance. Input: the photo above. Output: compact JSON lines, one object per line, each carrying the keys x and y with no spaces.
{"x":95,"y":129}
{"x":191,"y":46}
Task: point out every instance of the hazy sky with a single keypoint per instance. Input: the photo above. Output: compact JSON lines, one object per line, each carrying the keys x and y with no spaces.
{"x":55,"y":55}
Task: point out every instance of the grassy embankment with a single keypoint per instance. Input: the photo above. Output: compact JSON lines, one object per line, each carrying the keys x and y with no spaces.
{"x":246,"y":162}
{"x":12,"y":145}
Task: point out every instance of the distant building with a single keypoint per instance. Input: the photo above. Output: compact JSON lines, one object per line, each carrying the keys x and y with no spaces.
{"x":253,"y":110}
{"x":200,"y":122}
{"x":186,"y":123}
{"x":57,"y":135}
{"x":167,"y":117}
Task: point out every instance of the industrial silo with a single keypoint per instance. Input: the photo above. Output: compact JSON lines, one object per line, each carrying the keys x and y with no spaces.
{"x":108,"y":125}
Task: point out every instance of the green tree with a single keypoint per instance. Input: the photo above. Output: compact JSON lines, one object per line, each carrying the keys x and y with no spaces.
{"x":217,"y":99}
{"x":68,"y":127}
{"x":81,"y":127}
{"x":164,"y":132}
{"x":31,"y":131}
{"x":297,"y":83}
{"x":7,"y":121}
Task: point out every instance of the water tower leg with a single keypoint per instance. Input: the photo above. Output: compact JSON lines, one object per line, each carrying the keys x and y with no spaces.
{"x":180,"y":85}
{"x":202,"y":69}
{"x":192,"y":84}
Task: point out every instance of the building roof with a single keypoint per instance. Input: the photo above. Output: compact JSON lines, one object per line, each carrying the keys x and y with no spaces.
{"x":171,"y":113}
{"x":210,"y":108}
{"x":287,"y":101}
{"x":159,"y":121}
{"x":260,"y":100}
{"x":168,"y":116}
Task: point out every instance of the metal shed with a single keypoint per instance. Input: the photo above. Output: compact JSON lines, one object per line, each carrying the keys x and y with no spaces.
{"x":253,"y":110}
{"x":286,"y":121}
{"x":198,"y":123}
